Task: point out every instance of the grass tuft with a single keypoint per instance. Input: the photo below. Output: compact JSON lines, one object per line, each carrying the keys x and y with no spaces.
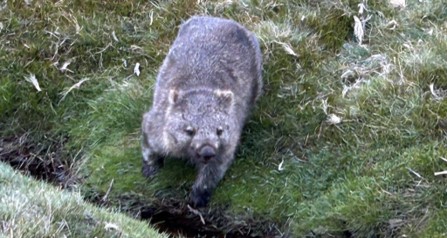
{"x":56,"y":213}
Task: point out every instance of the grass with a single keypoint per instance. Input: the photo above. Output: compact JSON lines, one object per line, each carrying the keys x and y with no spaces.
{"x":31,"y":208}
{"x":367,"y":172}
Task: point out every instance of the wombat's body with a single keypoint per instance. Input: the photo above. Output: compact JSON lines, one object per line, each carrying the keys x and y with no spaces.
{"x":206,"y":87}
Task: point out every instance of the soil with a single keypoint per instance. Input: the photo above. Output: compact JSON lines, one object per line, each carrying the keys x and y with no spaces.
{"x":180,"y":219}
{"x":42,"y":161}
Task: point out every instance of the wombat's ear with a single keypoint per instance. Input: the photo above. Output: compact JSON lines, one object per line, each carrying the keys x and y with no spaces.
{"x":225,"y":96}
{"x":173,"y":96}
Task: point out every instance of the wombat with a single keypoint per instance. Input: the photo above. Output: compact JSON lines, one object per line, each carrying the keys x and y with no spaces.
{"x":206,"y":87}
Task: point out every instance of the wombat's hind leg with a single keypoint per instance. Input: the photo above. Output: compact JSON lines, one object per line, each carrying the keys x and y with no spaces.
{"x":151,"y":162}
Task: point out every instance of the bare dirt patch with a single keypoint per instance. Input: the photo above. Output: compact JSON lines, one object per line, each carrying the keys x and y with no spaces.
{"x":44,"y":161}
{"x":177,"y":218}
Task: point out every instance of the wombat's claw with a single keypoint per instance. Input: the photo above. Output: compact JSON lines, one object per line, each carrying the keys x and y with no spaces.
{"x":149,"y":171}
{"x":199,"y":198}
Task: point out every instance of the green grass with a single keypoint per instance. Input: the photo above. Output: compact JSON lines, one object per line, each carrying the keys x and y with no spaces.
{"x":370,"y":175}
{"x":31,"y":208}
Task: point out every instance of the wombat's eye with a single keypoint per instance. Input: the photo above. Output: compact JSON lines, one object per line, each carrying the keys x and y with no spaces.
{"x":219,"y":131}
{"x":190,"y":130}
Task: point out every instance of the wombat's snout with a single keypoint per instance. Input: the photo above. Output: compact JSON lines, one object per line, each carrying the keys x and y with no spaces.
{"x":207,"y":152}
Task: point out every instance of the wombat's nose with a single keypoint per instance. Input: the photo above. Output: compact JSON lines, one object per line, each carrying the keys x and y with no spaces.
{"x":207,"y":152}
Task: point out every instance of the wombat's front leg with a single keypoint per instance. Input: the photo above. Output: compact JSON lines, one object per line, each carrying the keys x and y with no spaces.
{"x":209,"y":176}
{"x":152,"y":162}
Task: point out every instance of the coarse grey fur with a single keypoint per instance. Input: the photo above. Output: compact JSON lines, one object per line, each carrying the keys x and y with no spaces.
{"x":205,"y":90}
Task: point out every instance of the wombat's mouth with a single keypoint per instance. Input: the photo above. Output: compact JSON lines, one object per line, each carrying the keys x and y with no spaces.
{"x":205,"y":153}
{"x":200,"y":159}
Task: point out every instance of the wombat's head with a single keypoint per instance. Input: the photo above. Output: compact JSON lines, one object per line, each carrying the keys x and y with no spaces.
{"x":199,"y":122}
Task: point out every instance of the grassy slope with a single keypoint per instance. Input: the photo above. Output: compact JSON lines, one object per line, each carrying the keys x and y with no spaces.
{"x":353,"y":176}
{"x":31,"y":208}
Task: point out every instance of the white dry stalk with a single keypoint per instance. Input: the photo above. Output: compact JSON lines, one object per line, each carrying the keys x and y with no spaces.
{"x":32,"y":79}
{"x":78,"y":27}
{"x":358,"y":30}
{"x":443,"y":159}
{"x":441,"y":173}
{"x":114,"y":36}
{"x":324,"y":105}
{"x":196,"y":212}
{"x":436,"y":93}
{"x":136,"y":69}
{"x":124,"y":63}
{"x":135,"y":47}
{"x":111,"y":226}
{"x":287,"y":48}
{"x":104,"y":199}
{"x":280,"y":166}
{"x":333,"y":119}
{"x":64,"y":67}
{"x":76,"y":85}
{"x":398,"y":3}
{"x":432,"y":90}
{"x":415,"y":173}
{"x":392,"y":24}
{"x":362,"y":8}
{"x":151,"y":17}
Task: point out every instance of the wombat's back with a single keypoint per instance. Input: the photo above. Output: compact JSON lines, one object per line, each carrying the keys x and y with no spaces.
{"x":214,"y":53}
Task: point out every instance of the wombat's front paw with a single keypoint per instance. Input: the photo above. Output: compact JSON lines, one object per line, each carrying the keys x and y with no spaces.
{"x":149,"y":171}
{"x":200,"y":198}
